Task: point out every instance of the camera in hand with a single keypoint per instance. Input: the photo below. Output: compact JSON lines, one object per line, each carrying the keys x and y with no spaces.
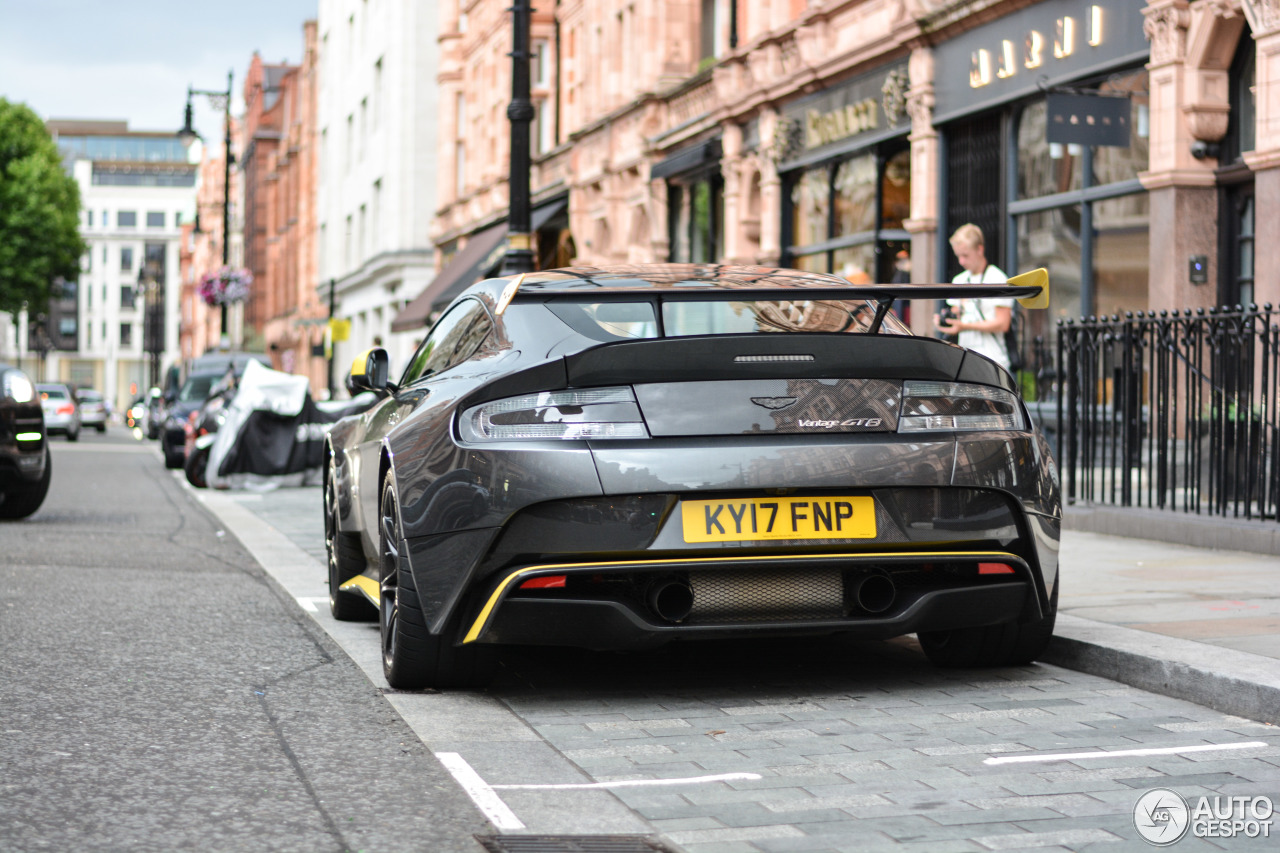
{"x":948,"y":314}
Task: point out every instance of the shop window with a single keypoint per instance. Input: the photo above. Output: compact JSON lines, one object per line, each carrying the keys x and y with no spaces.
{"x":696,"y":214}
{"x":854,"y":196}
{"x":810,"y":206}
{"x":1044,"y":168}
{"x":1051,"y":239}
{"x":846,"y":216}
{"x":975,"y":185}
{"x":1121,"y":252}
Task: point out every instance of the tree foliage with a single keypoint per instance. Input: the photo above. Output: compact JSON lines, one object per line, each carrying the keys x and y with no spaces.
{"x":39,"y":212}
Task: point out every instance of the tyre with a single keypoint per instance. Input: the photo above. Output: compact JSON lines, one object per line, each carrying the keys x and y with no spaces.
{"x":1007,"y":644}
{"x":73,"y":435}
{"x":195,"y":467}
{"x":22,"y":499}
{"x":346,"y":560}
{"x":102,"y":427}
{"x":173,"y":458}
{"x":412,"y":657}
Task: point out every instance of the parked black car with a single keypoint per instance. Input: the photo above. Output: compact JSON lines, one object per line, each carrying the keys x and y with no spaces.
{"x":620,"y":457}
{"x":25,"y":463}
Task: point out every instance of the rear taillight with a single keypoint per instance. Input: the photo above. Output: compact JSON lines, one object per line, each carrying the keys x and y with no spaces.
{"x":545,"y":582}
{"x":949,"y":406}
{"x":596,"y":413}
{"x":66,"y":409}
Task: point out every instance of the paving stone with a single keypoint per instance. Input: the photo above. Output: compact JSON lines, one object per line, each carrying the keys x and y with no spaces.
{"x":735,"y":833}
{"x":1069,"y":839}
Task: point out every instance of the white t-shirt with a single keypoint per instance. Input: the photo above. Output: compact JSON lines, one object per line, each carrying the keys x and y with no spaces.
{"x":980,"y":311}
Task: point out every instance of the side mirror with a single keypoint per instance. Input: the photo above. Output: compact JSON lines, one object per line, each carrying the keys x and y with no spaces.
{"x":369,"y":370}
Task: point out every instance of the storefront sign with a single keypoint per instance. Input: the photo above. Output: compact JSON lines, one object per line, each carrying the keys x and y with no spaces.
{"x":843,"y":115}
{"x":1051,"y":42}
{"x":1088,"y":120}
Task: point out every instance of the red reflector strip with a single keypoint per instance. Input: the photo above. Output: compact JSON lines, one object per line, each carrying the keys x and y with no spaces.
{"x":548,"y":582}
{"x":995,"y":569}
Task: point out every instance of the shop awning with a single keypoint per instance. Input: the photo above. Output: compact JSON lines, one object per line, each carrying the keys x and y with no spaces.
{"x":687,"y":160}
{"x":466,"y":268}
{"x":481,"y":256}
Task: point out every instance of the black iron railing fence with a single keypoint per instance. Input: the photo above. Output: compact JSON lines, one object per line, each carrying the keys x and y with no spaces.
{"x":1175,"y":410}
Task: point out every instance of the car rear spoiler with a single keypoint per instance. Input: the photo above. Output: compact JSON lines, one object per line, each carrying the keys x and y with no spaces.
{"x":1031,"y":289}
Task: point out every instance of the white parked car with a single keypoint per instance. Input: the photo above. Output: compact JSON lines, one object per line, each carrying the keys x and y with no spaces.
{"x":61,"y":411}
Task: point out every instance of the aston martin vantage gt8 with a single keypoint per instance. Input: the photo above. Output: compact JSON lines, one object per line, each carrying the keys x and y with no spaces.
{"x":620,"y":457}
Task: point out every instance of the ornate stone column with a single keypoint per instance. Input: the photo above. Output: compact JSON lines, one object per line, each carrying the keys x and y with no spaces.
{"x":1183,"y":197}
{"x":923,"y":224}
{"x":775,"y":128}
{"x":731,"y":172}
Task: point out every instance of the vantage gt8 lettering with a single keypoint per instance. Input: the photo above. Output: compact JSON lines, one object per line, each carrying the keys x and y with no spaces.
{"x":869,"y":423}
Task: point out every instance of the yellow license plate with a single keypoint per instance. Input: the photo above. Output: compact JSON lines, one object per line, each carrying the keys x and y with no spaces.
{"x":779,"y":518}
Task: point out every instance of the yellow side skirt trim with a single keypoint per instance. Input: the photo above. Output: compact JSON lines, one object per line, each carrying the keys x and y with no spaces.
{"x":367,"y":587}
{"x":489,"y":606}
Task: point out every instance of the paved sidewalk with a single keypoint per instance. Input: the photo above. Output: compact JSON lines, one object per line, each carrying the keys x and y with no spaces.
{"x":1193,"y":623}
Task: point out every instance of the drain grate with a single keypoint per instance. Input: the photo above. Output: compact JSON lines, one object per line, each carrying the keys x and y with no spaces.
{"x":572,"y":844}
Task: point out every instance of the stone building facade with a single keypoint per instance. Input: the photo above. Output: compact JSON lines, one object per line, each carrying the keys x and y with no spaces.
{"x":378,"y":108}
{"x":279,"y":169}
{"x":116,"y":328}
{"x":836,"y":135}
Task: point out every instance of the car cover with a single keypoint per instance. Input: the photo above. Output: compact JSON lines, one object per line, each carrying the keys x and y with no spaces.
{"x":272,"y":434}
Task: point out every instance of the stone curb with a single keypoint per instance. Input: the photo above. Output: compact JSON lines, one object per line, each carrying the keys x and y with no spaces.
{"x":1178,"y":528}
{"x":1226,"y":680}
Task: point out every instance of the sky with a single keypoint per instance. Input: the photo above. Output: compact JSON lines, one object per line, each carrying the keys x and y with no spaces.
{"x":134,"y":59}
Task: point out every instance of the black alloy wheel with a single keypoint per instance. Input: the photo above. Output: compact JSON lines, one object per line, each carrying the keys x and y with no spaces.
{"x":346,"y":560}
{"x":412,"y":657}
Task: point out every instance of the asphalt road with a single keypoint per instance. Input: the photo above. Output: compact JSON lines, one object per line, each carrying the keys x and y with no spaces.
{"x":159,"y":692}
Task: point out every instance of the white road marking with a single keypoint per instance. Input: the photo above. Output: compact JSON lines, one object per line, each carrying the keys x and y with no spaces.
{"x":1121,"y":753}
{"x":633,"y":783}
{"x":480,"y":792}
{"x":309,"y":604}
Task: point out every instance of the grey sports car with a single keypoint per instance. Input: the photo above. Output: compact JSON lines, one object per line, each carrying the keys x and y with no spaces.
{"x":620,"y":457}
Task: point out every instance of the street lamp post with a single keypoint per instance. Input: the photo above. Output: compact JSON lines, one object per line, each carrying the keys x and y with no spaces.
{"x":152,"y":320}
{"x":188,"y":135}
{"x":520,"y":112}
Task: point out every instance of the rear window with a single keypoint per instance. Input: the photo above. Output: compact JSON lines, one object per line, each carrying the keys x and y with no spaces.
{"x":53,"y":393}
{"x":617,"y":321}
{"x":196,"y":388}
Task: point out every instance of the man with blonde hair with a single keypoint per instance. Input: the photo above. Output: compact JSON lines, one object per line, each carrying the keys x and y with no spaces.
{"x":979,"y":324}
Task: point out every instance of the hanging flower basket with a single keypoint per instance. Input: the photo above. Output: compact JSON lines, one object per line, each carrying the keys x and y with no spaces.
{"x":225,"y":286}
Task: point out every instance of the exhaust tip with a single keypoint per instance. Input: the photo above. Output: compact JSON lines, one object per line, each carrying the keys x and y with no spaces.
{"x":874,"y":593}
{"x":670,"y":599}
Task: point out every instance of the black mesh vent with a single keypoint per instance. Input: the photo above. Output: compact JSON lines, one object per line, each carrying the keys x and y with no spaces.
{"x":764,"y":596}
{"x":572,"y":844}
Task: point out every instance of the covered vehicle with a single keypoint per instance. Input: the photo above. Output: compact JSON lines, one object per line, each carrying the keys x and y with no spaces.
{"x":26,"y":466}
{"x":620,"y":457}
{"x":206,"y":372}
{"x":262,"y":432}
